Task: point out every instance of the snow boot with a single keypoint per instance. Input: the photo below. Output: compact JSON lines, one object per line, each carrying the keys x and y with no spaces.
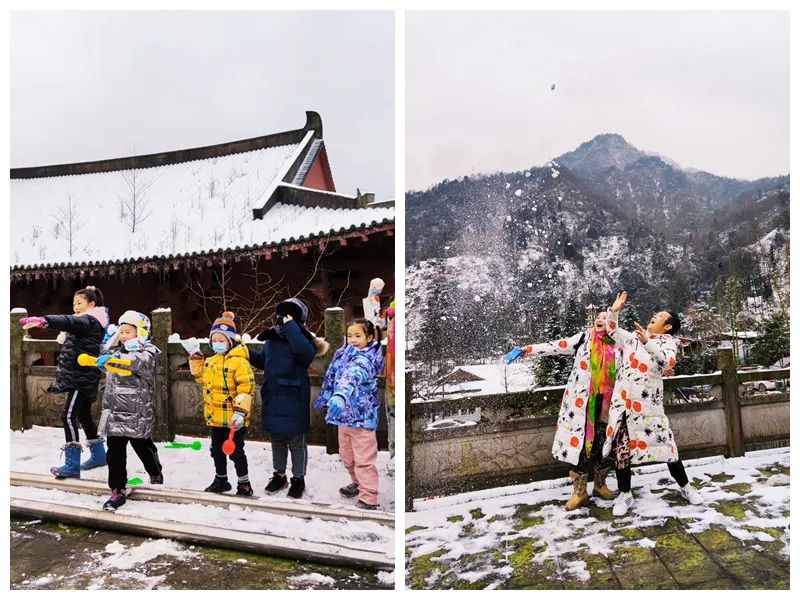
{"x":243,"y":488}
{"x":690,"y":494}
{"x":349,"y":491}
{"x":97,"y":455}
{"x":116,"y":500}
{"x":600,"y":488}
{"x":157,"y":479}
{"x":621,"y":505}
{"x":219,"y":485}
{"x":72,"y":462}
{"x":579,"y":495}
{"x":297,"y":487}
{"x":277,"y":483}
{"x":363,"y":505}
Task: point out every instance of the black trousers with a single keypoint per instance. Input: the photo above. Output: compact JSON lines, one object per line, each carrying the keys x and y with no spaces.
{"x":676,"y":469}
{"x":117,"y":459}
{"x":78,"y":409}
{"x":595,"y":458}
{"x":218,"y":437}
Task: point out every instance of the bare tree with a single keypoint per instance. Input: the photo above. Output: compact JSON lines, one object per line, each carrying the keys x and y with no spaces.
{"x":68,"y":223}
{"x":134,"y":204}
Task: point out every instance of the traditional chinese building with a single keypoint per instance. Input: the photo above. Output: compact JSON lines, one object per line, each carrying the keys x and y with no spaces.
{"x":240,"y":224}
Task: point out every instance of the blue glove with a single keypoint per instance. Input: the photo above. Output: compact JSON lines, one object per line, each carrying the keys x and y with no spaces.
{"x":102,"y":360}
{"x":335,"y":407}
{"x":238,"y":420}
{"x":513,"y":355}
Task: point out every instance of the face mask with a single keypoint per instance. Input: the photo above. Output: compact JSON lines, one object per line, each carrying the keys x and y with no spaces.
{"x":133,"y":345}
{"x":219,"y":347}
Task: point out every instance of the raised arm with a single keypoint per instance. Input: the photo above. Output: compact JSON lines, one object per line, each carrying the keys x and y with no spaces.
{"x":561,"y":347}
{"x":302,"y":348}
{"x":615,"y":332}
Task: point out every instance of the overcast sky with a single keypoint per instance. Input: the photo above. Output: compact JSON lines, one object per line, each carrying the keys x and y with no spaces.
{"x":87,"y":86}
{"x":709,"y":90}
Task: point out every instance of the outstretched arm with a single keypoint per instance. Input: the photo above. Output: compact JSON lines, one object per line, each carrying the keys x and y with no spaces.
{"x":562,"y":347}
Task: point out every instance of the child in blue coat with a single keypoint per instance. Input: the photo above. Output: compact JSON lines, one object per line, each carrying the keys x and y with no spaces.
{"x":350,"y":395}
{"x":289,"y":348}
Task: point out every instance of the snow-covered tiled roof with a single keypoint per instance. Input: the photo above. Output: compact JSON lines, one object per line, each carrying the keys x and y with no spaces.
{"x":183,"y":208}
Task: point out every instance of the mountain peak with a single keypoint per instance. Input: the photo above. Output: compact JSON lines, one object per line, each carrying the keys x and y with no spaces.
{"x":602,"y":152}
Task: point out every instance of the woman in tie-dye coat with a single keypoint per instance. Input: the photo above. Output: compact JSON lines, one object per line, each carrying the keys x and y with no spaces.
{"x":582,"y":421}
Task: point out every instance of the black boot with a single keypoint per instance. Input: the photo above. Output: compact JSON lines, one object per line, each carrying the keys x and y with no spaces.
{"x":278,"y":482}
{"x":219,"y":485}
{"x":297,"y":487}
{"x":243,"y":488}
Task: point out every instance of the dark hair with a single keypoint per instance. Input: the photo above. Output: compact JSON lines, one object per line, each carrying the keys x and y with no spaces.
{"x":675,"y":321}
{"x":92,"y":294}
{"x":370,"y":330}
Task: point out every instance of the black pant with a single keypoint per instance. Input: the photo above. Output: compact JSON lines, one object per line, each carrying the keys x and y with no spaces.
{"x":218,"y":437}
{"x":595,"y":459}
{"x":117,"y":458}
{"x":78,"y":408}
{"x":676,"y":469}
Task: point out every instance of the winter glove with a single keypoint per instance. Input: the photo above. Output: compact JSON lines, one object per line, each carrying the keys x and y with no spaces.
{"x":237,"y":420}
{"x":102,"y":360}
{"x":336,"y":406}
{"x":31,"y":322}
{"x":192,"y":346}
{"x":513,"y":355}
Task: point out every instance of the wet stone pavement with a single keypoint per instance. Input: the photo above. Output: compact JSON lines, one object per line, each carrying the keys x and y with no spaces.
{"x":54,"y":556}
{"x":743,"y":546}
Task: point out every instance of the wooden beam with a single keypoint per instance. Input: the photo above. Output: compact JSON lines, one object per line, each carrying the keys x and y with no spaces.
{"x":291,"y":509}
{"x":193,"y":533}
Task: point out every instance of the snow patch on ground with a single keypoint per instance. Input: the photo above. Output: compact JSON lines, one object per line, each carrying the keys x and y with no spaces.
{"x":314,"y":580}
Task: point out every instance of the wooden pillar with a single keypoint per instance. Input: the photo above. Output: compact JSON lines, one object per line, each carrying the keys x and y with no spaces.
{"x":409,"y":455}
{"x":730,"y":397}
{"x":18,"y":393}
{"x":161,"y":324}
{"x":335,"y":336}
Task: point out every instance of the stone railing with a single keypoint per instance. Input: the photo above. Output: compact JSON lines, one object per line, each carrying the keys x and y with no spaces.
{"x":179,"y":400}
{"x":511,"y":444}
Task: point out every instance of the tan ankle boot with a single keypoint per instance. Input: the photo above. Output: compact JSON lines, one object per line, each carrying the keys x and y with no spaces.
{"x":579,"y":495}
{"x":600,"y":488}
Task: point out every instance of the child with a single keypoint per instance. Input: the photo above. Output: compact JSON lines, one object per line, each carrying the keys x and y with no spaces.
{"x":129,"y":403}
{"x":638,"y":428}
{"x":228,"y":385}
{"x":289,"y":349}
{"x":583,"y":418}
{"x":86,"y":329}
{"x":350,"y":394}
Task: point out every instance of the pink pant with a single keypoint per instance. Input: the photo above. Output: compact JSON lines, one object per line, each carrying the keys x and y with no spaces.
{"x":358,"y":449}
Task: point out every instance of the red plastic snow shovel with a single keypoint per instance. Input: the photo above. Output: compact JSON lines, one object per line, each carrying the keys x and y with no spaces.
{"x":229,"y":446}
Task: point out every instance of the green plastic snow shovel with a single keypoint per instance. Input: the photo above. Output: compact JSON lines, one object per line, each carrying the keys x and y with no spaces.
{"x":135,"y":481}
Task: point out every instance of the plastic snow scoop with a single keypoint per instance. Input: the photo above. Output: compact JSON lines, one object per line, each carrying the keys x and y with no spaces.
{"x":135,"y":481}
{"x":195,"y":445}
{"x":513,"y":355}
{"x":229,"y":446}
{"x":87,"y":360}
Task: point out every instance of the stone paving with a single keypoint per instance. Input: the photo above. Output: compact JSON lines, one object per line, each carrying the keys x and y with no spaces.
{"x":745,"y":545}
{"x":54,"y":556}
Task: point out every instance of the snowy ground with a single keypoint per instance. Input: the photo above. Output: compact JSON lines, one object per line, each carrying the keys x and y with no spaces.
{"x":521,"y":537}
{"x":35,"y":450}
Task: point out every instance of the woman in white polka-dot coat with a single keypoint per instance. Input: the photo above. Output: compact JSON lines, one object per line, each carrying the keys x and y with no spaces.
{"x":570,"y":444}
{"x":638,"y":428}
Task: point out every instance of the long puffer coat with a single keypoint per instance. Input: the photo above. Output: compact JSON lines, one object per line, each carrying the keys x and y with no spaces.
{"x":86,"y":332}
{"x":130,"y":399}
{"x":353,"y":374}
{"x":639,"y":395}
{"x":286,"y":392}
{"x":571,"y":428}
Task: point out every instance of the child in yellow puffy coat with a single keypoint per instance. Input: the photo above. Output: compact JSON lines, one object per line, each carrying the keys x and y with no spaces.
{"x":228,"y":385}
